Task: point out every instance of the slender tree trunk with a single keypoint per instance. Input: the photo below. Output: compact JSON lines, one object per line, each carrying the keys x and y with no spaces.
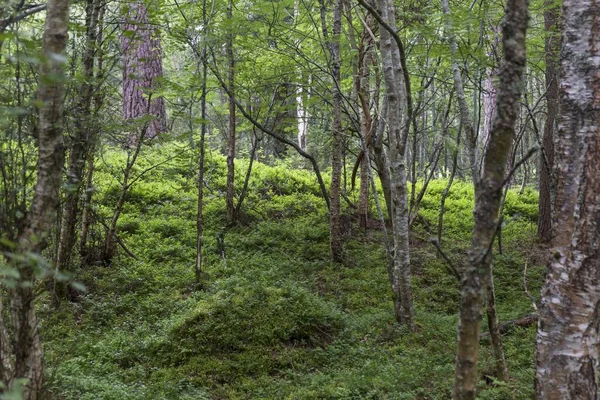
{"x":568,"y":342}
{"x":80,"y":148}
{"x":28,"y":355}
{"x":362,"y":85}
{"x":551,"y":16}
{"x":86,"y":215}
{"x":244,"y":190}
{"x":381,"y":159}
{"x":108,"y":250}
{"x":335,"y":229}
{"x":200,"y":214}
{"x":229,"y":200}
{"x":487,"y":201}
{"x":446,"y":191}
{"x":397,"y":122}
{"x":501,"y":372}
{"x":465,"y":115}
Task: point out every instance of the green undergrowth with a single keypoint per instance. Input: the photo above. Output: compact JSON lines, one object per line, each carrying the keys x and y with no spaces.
{"x":275,"y":319}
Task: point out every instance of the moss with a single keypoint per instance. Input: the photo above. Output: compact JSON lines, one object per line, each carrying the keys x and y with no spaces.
{"x":276,"y":320}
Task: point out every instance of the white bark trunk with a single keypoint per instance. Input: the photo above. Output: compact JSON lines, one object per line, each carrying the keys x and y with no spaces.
{"x":567,"y":340}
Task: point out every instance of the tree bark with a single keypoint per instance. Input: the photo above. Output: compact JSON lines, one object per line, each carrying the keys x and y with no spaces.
{"x":397,"y":113}
{"x":567,"y":339}
{"x":28,"y":355}
{"x":229,"y":200}
{"x":335,"y":229}
{"x":201,"y":145}
{"x":142,"y":67}
{"x":551,"y":16}
{"x":487,"y":201}
{"x":80,"y":147}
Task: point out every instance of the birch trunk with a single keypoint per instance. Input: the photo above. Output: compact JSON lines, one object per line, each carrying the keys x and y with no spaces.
{"x":567,"y":340}
{"x":28,"y":355}
{"x":487,"y":201}
{"x":397,"y":120}
{"x":302,"y":115}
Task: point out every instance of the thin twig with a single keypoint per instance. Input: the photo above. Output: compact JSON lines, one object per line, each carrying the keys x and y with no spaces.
{"x":449,"y":263}
{"x":522,"y":161}
{"x":117,"y":238}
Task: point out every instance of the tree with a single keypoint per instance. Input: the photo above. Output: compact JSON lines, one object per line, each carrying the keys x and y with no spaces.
{"x":81,"y":142}
{"x":142,"y":69}
{"x":335,"y":229}
{"x":552,"y":46}
{"x":22,"y":357}
{"x":487,"y":202}
{"x":229,"y":200}
{"x":567,"y":339}
{"x":478,"y":181}
{"x":398,"y":113}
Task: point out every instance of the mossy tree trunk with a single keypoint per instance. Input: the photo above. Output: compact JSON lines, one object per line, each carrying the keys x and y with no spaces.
{"x":489,"y":195}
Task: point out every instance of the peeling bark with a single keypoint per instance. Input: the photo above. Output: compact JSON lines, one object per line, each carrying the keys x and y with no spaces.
{"x":568,"y":341}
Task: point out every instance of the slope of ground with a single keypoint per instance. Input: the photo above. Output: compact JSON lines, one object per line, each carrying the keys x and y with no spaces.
{"x":275,"y":319}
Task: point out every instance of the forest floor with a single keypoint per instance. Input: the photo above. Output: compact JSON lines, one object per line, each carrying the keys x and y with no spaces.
{"x":276,"y":319}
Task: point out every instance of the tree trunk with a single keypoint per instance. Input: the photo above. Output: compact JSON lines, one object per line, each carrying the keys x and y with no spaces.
{"x":501,"y":371}
{"x":80,"y":148}
{"x":302,"y":115}
{"x":86,"y":214}
{"x":229,"y":201}
{"x":142,"y":66}
{"x":362,"y":86}
{"x":335,"y":229}
{"x":551,"y":17}
{"x":200,"y":215}
{"x":446,"y":191}
{"x":381,"y":159}
{"x":487,"y":201}
{"x":567,"y":340}
{"x":397,"y":113}
{"x":28,"y":355}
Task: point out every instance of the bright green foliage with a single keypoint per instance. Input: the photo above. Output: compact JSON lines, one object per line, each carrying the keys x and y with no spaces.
{"x":277,"y":319}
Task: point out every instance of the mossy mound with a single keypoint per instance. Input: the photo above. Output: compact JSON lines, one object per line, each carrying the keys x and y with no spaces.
{"x":247,"y":314}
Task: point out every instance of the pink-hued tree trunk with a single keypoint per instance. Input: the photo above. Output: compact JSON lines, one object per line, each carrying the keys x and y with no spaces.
{"x":142,"y":68}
